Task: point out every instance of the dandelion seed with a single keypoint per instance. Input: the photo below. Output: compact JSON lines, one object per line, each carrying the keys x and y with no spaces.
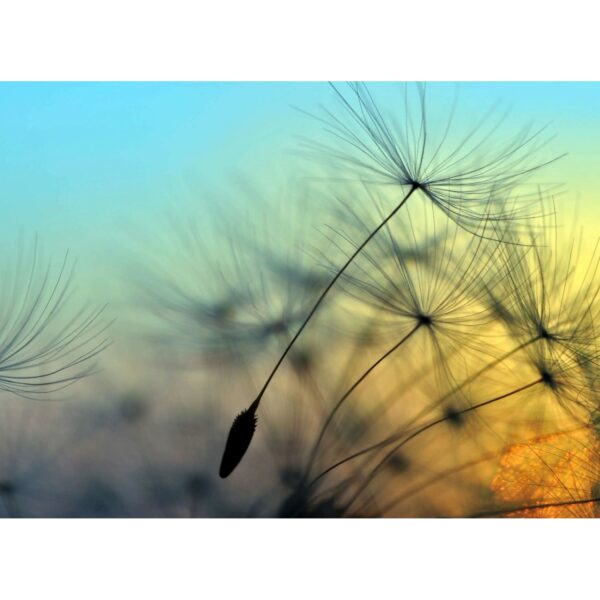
{"x":453,"y":416}
{"x":459,"y":172}
{"x":550,"y":294}
{"x":43,"y":347}
{"x":239,"y":438}
{"x":233,"y":286}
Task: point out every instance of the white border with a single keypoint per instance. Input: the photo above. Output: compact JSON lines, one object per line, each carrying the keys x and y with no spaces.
{"x":258,"y":559}
{"x":313,"y":39}
{"x":310,"y":40}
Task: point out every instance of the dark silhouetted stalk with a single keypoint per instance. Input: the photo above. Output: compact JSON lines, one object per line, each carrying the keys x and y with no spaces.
{"x":349,"y":391}
{"x":391,"y":439}
{"x":432,"y":424}
{"x":508,"y":511}
{"x":433,"y":480}
{"x":244,"y":424}
{"x":465,"y":382}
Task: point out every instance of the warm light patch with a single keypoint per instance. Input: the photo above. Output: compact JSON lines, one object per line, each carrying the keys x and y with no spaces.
{"x":551,"y":476}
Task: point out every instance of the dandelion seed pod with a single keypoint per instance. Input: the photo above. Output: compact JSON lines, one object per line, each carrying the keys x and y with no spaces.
{"x":238,"y":441}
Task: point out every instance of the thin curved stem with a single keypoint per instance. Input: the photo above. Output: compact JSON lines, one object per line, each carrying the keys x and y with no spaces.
{"x":433,"y":424}
{"x":324,"y":293}
{"x":507,"y":511}
{"x":349,"y":391}
{"x":391,"y":439}
{"x":435,"y":479}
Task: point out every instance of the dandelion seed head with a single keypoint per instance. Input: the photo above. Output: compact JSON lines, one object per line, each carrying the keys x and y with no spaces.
{"x":549,"y":379}
{"x":443,"y":291}
{"x":458,"y":173}
{"x":47,"y":342}
{"x":549,"y":292}
{"x":453,"y":416}
{"x":233,"y":285}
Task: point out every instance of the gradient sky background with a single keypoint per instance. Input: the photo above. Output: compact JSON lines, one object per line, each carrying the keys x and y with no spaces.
{"x":86,"y":164}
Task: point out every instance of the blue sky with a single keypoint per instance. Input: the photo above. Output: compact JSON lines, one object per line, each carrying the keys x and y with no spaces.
{"x":80,"y":163}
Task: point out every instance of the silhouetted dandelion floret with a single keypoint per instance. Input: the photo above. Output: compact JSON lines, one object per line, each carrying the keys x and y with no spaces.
{"x":459,"y":171}
{"x":443,"y":292}
{"x":567,"y":378}
{"x":549,"y":293}
{"x":236,"y":286}
{"x":47,"y":341}
{"x":453,"y":416}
